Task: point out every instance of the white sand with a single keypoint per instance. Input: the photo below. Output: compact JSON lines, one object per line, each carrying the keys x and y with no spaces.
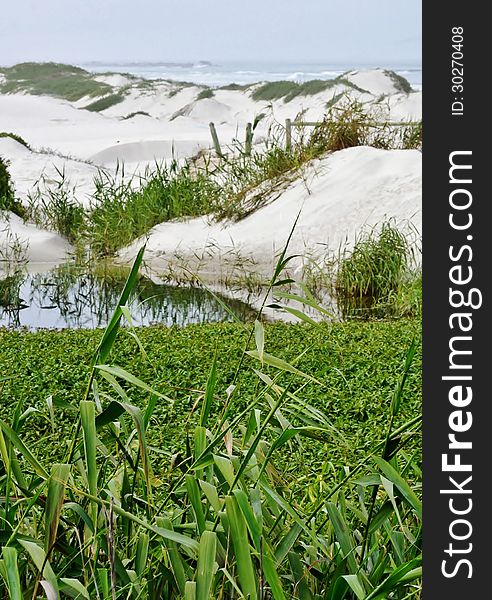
{"x":175,"y":115}
{"x":20,"y":240}
{"x":350,"y":189}
{"x":346,"y":190}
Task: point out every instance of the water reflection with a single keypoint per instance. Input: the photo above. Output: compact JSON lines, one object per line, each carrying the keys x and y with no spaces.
{"x":68,"y":297}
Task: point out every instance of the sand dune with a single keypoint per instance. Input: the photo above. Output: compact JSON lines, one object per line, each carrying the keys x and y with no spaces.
{"x":177,"y":112}
{"x":20,"y":241}
{"x":337,"y":196}
{"x":146,"y":152}
{"x":156,"y":121}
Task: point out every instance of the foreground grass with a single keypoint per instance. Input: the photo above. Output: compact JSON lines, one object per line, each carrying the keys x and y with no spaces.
{"x":205,"y":491}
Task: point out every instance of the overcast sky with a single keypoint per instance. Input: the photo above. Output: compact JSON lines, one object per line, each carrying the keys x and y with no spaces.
{"x":186,"y":30}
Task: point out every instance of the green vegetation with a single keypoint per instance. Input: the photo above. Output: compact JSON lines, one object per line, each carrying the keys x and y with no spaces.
{"x":379,"y":275}
{"x":288,"y":90}
{"x":158,"y":476}
{"x":401,"y":84}
{"x":137,"y":113}
{"x":347,"y":124}
{"x":376,"y":264}
{"x":6,"y":189}
{"x":14,"y":136}
{"x":8,"y":200}
{"x":236,"y":87}
{"x":52,"y":79}
{"x":120,"y":212}
{"x":205,"y":93}
{"x":56,"y":207}
{"x":105,"y":102}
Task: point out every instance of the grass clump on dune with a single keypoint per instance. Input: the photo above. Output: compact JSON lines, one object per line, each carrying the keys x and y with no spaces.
{"x":122,"y":211}
{"x":8,"y":201}
{"x":235,"y":87}
{"x":14,"y":136}
{"x":234,"y":509}
{"x":205,"y":93}
{"x":105,"y":102}
{"x":52,"y":79}
{"x":137,"y":113}
{"x":400,"y":83}
{"x":288,"y":90}
{"x":55,"y":206}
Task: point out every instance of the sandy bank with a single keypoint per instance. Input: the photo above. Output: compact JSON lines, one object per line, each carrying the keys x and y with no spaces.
{"x":336,"y":197}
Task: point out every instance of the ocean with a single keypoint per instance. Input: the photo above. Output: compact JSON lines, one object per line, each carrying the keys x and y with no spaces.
{"x":216,"y":74}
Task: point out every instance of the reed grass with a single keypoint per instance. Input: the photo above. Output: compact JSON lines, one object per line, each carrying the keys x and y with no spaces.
{"x":123,"y":209}
{"x":8,"y":200}
{"x":54,"y":205}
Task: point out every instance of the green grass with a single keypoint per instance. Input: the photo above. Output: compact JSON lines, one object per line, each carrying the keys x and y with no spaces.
{"x":241,"y":499}
{"x":105,"y":102}
{"x":52,"y":79}
{"x":137,"y":113}
{"x":401,"y":84}
{"x":14,"y":136}
{"x":376,"y":265}
{"x":236,"y":87}
{"x":121,"y":212}
{"x":205,"y":93}
{"x":288,"y":90}
{"x":55,"y":206}
{"x":379,"y":276}
{"x":8,"y":201}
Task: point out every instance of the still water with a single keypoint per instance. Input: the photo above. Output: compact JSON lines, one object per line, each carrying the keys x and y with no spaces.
{"x":67,"y":297}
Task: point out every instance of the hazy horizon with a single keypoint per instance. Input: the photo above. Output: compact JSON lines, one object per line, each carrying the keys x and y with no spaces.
{"x":341,"y":31}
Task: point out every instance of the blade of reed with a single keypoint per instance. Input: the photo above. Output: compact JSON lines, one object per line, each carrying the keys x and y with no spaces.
{"x":12,"y":573}
{"x":206,"y":565}
{"x":54,"y":502}
{"x":244,"y":562}
{"x":88,"y":420}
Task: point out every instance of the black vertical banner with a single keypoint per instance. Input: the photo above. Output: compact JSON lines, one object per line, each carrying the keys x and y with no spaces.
{"x":457,"y":260}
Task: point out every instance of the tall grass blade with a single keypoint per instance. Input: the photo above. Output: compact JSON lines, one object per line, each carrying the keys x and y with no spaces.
{"x":88,"y":420}
{"x":190,"y":590}
{"x":209,"y":394}
{"x":111,"y":331}
{"x":23,"y":449}
{"x":392,"y":474}
{"x":239,"y":535}
{"x":177,"y":563}
{"x":40,"y":560}
{"x":54,"y":502}
{"x":206,"y":565}
{"x":12,"y":573}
